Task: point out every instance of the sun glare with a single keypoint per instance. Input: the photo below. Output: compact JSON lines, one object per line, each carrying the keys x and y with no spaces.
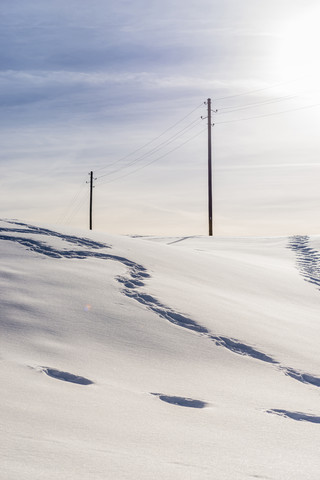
{"x":298,"y":52}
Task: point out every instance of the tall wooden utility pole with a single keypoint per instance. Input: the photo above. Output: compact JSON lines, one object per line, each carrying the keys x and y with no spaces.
{"x":209,"y":168}
{"x":90,"y":208}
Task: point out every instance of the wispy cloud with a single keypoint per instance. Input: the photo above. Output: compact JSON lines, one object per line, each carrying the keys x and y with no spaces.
{"x":83,"y":84}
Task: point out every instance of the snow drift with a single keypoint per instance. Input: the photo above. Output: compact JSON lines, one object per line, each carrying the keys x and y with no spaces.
{"x":170,"y":358}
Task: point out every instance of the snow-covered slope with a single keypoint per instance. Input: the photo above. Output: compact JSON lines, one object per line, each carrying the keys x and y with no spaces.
{"x":167,"y":358}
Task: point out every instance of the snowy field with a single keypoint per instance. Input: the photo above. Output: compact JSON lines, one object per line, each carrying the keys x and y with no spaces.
{"x":158,"y":358}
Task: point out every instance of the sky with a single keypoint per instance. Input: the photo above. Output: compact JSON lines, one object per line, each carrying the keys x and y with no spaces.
{"x":119,"y":88}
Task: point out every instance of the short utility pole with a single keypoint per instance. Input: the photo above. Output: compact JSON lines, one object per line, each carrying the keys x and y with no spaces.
{"x":90,"y":207}
{"x":209,"y":168}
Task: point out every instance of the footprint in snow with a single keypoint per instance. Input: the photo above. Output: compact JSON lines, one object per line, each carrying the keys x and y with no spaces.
{"x":66,"y":376}
{"x":298,"y":416}
{"x":181,"y":401}
{"x":301,"y":377}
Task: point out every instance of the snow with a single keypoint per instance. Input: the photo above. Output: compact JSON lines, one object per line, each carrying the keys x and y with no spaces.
{"x":172,"y":358}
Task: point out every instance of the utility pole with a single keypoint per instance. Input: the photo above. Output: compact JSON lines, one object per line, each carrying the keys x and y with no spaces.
{"x":209,"y":168}
{"x":90,"y":208}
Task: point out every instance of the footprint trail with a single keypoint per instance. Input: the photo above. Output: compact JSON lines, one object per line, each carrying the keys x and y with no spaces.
{"x":136,"y":275}
{"x":307,"y":259}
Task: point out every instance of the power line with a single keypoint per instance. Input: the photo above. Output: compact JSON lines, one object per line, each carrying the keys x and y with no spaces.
{"x":235,"y":108}
{"x":77,"y":207}
{"x":151,"y":141}
{"x":65,"y":214}
{"x":269,"y":114}
{"x":154,"y":160}
{"x":250,"y":92}
{"x":80,"y":196}
{"x":157,"y":148}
